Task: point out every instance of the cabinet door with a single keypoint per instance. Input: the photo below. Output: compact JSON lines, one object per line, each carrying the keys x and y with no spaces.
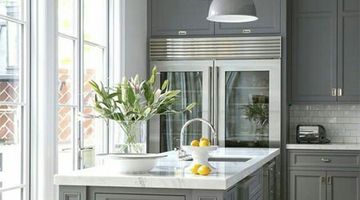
{"x":349,"y":50}
{"x":268,"y":12}
{"x":314,"y":55}
{"x":192,"y":78}
{"x":307,"y":185}
{"x":343,"y":185}
{"x":180,"y":17}
{"x":248,"y":102}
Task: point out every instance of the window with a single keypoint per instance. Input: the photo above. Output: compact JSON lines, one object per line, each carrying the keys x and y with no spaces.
{"x":82,"y":56}
{"x":14,"y":99}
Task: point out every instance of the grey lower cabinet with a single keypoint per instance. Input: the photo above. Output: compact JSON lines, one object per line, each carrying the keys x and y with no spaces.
{"x":307,"y":185}
{"x":251,"y":188}
{"x":180,"y":17}
{"x":325,"y":51}
{"x":269,"y":14}
{"x":324,"y":175}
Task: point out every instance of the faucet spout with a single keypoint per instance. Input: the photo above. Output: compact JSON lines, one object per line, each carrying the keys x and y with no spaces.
{"x":213,"y":137}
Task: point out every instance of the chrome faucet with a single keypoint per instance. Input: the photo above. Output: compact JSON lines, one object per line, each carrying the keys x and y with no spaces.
{"x":213,"y":137}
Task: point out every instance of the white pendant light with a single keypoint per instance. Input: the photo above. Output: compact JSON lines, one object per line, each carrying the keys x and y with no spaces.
{"x":232,"y":11}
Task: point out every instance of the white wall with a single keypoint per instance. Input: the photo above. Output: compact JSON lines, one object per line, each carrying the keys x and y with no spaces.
{"x":134,"y":38}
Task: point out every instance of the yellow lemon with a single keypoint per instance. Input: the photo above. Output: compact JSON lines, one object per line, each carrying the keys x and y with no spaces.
{"x":204,"y":170}
{"x":204,"y":143}
{"x":195,"y":168}
{"x":195,"y":143}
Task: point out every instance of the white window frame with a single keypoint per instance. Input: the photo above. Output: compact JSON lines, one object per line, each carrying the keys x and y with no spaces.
{"x":23,"y":105}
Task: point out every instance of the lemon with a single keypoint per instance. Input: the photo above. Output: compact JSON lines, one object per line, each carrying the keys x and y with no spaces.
{"x":204,"y":170}
{"x":204,"y":143}
{"x":195,"y":168}
{"x":195,"y":143}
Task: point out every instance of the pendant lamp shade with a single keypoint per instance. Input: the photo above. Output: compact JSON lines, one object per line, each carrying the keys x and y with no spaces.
{"x":232,"y":11}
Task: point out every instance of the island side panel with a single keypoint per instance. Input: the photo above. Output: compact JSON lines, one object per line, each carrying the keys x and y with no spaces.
{"x":72,"y":193}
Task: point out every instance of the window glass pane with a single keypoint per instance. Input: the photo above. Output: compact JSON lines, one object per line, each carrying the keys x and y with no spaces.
{"x":93,"y":130}
{"x":11,"y":8}
{"x":10,"y":146}
{"x":10,"y":60}
{"x":65,"y":138}
{"x":11,"y":195}
{"x":66,"y":17}
{"x":65,"y":71}
{"x":95,"y":15}
{"x":93,"y":138}
{"x":94,"y":69}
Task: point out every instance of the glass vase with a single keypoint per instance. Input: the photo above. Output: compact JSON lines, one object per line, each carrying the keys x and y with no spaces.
{"x":134,"y":138}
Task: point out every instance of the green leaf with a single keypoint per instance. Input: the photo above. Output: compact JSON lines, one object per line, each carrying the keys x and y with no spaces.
{"x":165,"y":85}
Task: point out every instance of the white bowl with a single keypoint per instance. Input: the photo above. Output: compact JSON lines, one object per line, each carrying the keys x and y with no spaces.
{"x":200,"y":155}
{"x":132,"y":163}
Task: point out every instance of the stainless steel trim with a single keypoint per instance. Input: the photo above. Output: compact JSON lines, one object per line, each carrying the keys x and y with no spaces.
{"x":215,"y":48}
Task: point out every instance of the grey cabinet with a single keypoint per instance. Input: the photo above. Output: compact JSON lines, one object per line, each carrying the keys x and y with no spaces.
{"x":269,"y":14}
{"x":349,"y":50}
{"x":307,"y":185}
{"x":343,"y":185}
{"x":188,"y":18}
{"x":180,"y":17}
{"x":314,"y":42}
{"x":324,"y":175}
{"x":325,"y":51}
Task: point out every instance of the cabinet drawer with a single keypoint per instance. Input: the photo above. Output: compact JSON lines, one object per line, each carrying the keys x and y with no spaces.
{"x":324,"y":159}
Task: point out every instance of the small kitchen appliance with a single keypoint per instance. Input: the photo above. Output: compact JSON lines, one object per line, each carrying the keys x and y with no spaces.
{"x":314,"y":134}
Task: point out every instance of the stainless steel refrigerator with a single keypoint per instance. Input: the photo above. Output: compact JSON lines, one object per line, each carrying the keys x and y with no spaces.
{"x":235,"y":81}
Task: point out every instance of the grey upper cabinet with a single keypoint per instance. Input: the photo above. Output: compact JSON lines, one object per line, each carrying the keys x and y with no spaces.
{"x":314,"y":55}
{"x":343,"y":185}
{"x":268,"y":12}
{"x":307,"y":185}
{"x":349,"y":50}
{"x":180,"y":17}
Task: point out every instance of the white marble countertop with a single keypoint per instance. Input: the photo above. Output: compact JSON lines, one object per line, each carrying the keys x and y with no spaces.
{"x":171,"y":173}
{"x":331,"y":146}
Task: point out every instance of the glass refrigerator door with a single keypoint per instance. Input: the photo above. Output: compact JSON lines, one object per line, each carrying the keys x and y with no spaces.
{"x":244,"y":102}
{"x":192,"y":79}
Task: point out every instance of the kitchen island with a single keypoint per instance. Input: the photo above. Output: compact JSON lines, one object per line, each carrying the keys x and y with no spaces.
{"x":170,"y":179}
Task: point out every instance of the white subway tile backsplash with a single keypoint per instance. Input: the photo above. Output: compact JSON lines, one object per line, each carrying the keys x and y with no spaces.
{"x":341,"y":121}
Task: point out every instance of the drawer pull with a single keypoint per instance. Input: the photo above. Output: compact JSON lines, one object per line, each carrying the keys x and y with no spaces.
{"x":326,"y":160}
{"x":246,"y":31}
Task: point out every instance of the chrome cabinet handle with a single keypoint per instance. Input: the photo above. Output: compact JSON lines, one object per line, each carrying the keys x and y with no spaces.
{"x":325,"y":160}
{"x":182,"y":33}
{"x":340,"y":92}
{"x":329,"y":180}
{"x":333,"y":92}
{"x":322,"y":179}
